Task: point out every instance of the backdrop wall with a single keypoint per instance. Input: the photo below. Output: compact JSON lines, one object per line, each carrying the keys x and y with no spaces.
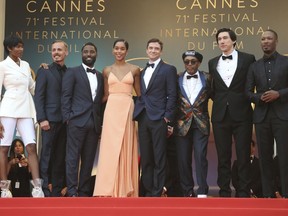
{"x":181,"y":24}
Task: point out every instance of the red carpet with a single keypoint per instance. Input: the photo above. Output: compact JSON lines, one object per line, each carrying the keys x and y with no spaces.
{"x":143,"y":206}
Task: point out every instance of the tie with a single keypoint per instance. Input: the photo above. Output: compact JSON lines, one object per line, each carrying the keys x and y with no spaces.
{"x":227,"y":57}
{"x":150,"y":65}
{"x":89,"y":70}
{"x":194,"y":76}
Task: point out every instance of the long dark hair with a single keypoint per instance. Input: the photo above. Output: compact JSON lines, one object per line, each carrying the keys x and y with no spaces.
{"x":12,"y":147}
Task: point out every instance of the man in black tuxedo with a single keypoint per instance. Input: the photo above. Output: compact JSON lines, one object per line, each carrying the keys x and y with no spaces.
{"x":154,"y":110}
{"x":255,"y":184}
{"x":48,"y":109}
{"x":192,"y":127}
{"x":82,"y":92}
{"x":267,"y":88}
{"x":231,"y":111}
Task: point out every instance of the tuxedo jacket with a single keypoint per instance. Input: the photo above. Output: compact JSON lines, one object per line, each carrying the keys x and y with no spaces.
{"x":159,"y":98}
{"x":77,"y":102}
{"x":17,"y":101}
{"x":198,"y":111}
{"x":257,"y":84}
{"x":234,"y":95}
{"x":48,"y":94}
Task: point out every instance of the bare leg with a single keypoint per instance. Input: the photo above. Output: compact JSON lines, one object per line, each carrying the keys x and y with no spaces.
{"x":4,"y":183}
{"x":33,"y":160}
{"x":3,"y":162}
{"x":34,"y":167}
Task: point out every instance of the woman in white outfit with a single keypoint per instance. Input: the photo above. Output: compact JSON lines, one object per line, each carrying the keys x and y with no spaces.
{"x":17,"y":111}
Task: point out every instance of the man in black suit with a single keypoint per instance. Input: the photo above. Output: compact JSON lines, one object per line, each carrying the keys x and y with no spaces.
{"x":48,"y":109}
{"x":154,"y":110}
{"x":231,"y":111}
{"x":192,"y":128}
{"x":82,"y":92}
{"x":267,"y":88}
{"x":255,"y":184}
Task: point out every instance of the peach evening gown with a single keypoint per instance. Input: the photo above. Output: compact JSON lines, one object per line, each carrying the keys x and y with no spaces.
{"x":117,"y":170}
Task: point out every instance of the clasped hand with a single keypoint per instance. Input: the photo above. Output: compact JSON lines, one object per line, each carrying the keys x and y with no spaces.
{"x":270,"y":96}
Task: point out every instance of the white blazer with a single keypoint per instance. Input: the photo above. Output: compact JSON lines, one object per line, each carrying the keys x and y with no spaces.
{"x":17,"y":101}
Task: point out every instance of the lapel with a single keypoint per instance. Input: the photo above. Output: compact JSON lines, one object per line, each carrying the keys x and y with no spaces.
{"x":99,"y":85}
{"x":238,"y":68}
{"x":154,"y":75}
{"x":217,"y":75}
{"x":183,"y":92}
{"x":84,"y":76}
{"x":203,"y":82}
{"x":142,"y":79}
{"x":15,"y":68}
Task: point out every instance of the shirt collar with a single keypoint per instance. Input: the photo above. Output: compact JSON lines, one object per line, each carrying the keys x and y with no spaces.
{"x":155,"y":62}
{"x":85,"y":67}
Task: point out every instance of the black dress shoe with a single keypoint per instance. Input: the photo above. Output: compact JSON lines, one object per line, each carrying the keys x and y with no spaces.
{"x":192,"y":195}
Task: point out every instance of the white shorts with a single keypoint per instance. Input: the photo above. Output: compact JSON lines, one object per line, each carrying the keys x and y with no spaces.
{"x":25,"y":127}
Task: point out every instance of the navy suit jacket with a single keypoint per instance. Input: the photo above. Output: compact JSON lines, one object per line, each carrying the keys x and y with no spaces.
{"x":279,"y":82}
{"x":47,"y":96}
{"x":77,"y":102}
{"x":159,"y":98}
{"x":239,"y":106}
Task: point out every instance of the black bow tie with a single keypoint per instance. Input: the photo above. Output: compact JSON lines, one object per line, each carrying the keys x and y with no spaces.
{"x":190,"y":76}
{"x":89,"y":70}
{"x":227,"y":57}
{"x":150,"y":65}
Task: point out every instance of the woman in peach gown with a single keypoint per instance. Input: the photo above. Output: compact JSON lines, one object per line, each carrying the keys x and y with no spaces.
{"x":117,"y":169}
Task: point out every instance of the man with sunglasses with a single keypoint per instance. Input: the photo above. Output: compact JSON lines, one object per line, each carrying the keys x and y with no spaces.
{"x":192,"y":128}
{"x":231,"y":111}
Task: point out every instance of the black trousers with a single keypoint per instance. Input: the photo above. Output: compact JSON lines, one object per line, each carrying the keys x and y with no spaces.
{"x":267,"y":132}
{"x":227,"y":132}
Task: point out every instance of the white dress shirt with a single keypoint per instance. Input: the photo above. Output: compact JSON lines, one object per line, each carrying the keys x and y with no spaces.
{"x":93,"y":81}
{"x":149,"y":72}
{"x":227,"y":68}
{"x":192,"y":86}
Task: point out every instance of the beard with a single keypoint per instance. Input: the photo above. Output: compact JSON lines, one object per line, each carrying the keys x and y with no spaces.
{"x":89,"y":61}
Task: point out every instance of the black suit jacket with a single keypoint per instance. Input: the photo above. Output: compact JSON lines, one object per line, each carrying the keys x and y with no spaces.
{"x":257,"y":80}
{"x":159,"y":98}
{"x":77,"y":103}
{"x":47,"y":96}
{"x":234,"y":95}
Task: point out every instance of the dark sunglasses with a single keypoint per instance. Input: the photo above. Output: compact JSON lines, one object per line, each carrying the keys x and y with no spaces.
{"x":193,"y":62}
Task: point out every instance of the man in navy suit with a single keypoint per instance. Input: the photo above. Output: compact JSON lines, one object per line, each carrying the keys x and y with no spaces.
{"x":231,"y":111}
{"x":82,"y":92}
{"x":48,"y":109}
{"x":267,"y":88}
{"x":154,"y":110}
{"x":192,"y":128}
